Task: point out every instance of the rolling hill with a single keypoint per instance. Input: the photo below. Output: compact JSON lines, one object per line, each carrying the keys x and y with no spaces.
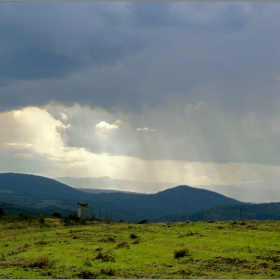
{"x":44,"y":193}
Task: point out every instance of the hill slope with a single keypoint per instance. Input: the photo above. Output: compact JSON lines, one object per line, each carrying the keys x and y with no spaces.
{"x":45,"y":193}
{"x":36,"y":191}
{"x":263,"y":211}
{"x":244,"y":211}
{"x":175,"y":200}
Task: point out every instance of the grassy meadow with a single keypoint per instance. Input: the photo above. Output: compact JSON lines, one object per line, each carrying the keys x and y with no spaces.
{"x":47,"y":248}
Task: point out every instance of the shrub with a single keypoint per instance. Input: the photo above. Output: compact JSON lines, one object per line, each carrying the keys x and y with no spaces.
{"x":107,"y":271}
{"x":41,"y":242}
{"x":86,"y":274}
{"x":41,"y":220}
{"x":68,"y":220}
{"x":136,"y":241}
{"x":109,"y":239}
{"x":87,"y":262}
{"x":133,"y":236}
{"x":122,"y":244}
{"x":56,"y":215}
{"x":46,"y":273}
{"x":99,"y":249}
{"x":1,"y":212}
{"x":23,"y":217}
{"x":105,"y":257}
{"x":40,"y":262}
{"x":181,"y":253}
{"x":143,"y":222}
{"x":74,"y":217}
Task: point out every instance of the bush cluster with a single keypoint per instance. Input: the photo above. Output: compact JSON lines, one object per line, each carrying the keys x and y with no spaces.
{"x":181,"y":253}
{"x":105,"y":257}
{"x":86,"y":274}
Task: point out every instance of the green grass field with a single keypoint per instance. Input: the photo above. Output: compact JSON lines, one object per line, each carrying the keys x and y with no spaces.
{"x":247,"y":249}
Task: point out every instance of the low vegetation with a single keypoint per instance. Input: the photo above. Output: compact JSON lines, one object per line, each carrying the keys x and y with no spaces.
{"x":41,"y":247}
{"x":181,"y":253}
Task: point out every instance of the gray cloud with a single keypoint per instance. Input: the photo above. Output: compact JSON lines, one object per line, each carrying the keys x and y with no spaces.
{"x":150,"y":14}
{"x":177,"y":130}
{"x":156,"y":57}
{"x":35,"y":63}
{"x":46,"y":43}
{"x":109,"y":57}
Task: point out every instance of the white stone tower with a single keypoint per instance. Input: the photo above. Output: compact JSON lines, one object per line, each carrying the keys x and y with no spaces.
{"x":82,"y":210}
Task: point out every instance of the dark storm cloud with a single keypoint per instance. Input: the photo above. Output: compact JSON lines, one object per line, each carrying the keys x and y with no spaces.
{"x":36,"y":63}
{"x":150,"y":14}
{"x":230,"y":18}
{"x":57,"y":43}
{"x":129,"y":55}
{"x":197,"y":16}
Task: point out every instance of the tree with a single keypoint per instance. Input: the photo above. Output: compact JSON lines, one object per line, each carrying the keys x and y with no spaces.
{"x":56,"y":215}
{"x":1,"y":213}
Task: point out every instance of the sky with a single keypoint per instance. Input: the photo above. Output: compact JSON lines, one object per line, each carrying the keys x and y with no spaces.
{"x":179,"y":92}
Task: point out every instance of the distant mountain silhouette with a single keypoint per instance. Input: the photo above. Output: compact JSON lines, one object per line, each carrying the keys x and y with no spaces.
{"x":97,"y":191}
{"x":44,"y":193}
{"x":106,"y":183}
{"x":254,"y":192}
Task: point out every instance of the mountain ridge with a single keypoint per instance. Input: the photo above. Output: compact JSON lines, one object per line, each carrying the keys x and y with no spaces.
{"x":253,"y":192}
{"x":44,"y":193}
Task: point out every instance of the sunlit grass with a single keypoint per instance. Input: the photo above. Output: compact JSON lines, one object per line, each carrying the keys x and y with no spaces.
{"x":118,"y":250}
